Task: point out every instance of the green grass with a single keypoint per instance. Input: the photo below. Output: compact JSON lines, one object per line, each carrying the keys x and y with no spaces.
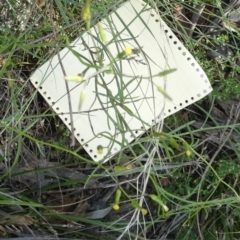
{"x":200,"y":189}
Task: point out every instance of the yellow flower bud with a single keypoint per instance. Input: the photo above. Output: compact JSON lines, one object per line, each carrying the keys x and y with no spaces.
{"x":117,"y":199}
{"x":82,"y":97}
{"x":86,"y":14}
{"x":164,"y":93}
{"x":158,"y":200}
{"x":136,"y":205}
{"x":100,"y":149}
{"x":101,"y":33}
{"x":77,"y":78}
{"x":166,"y":209}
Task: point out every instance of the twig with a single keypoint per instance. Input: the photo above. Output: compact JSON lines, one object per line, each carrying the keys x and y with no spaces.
{"x":195,"y":18}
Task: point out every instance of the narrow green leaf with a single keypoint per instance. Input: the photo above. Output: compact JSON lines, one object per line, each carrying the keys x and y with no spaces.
{"x":164,"y":93}
{"x":174,"y":143}
{"x":20,"y":203}
{"x":136,"y":205}
{"x":166,"y":72}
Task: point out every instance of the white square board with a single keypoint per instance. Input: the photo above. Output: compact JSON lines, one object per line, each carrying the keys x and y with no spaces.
{"x":120,"y":106}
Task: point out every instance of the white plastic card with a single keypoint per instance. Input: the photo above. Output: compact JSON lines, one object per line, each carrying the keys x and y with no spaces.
{"x":122,"y":104}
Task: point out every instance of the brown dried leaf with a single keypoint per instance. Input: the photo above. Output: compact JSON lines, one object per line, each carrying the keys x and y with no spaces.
{"x":179,"y":15}
{"x":20,"y":220}
{"x":40,"y":3}
{"x":2,"y":230}
{"x":81,"y":208}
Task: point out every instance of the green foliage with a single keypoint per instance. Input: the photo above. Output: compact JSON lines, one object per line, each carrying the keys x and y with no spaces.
{"x":162,"y":168}
{"x":220,"y":65}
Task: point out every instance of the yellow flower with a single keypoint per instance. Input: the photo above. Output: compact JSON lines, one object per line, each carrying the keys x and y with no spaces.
{"x":144,"y":211}
{"x":188,"y":153}
{"x":128,"y":51}
{"x":82,"y":97}
{"x":116,"y":207}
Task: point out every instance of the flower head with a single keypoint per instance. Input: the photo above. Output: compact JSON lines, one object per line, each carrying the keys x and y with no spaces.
{"x":144,"y":211}
{"x":116,"y":207}
{"x":166,"y":209}
{"x":117,"y":199}
{"x":128,"y":51}
{"x":188,"y":153}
